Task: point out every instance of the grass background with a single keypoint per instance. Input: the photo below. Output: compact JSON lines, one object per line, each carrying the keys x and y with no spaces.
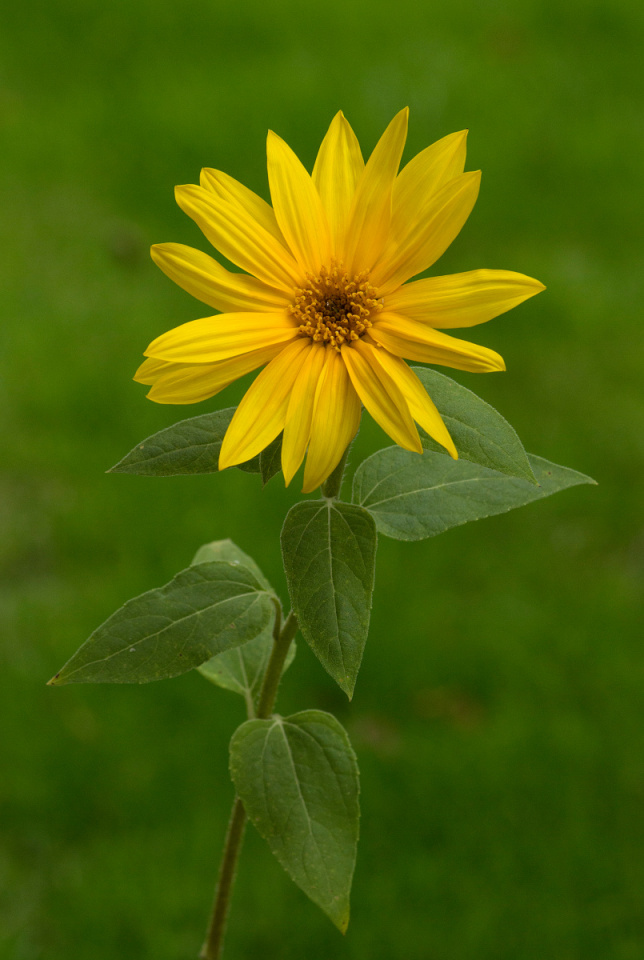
{"x":498,"y":716}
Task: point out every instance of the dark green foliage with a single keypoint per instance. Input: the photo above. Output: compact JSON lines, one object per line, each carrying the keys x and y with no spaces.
{"x":480,"y":434}
{"x":240,"y":669}
{"x":329,"y":553}
{"x":205,"y":610}
{"x":298,"y":779}
{"x":270,"y":460}
{"x":231,"y":553}
{"x":187,"y":447}
{"x":413,"y":497}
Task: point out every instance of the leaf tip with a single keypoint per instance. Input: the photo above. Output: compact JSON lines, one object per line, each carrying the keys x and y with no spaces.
{"x":342,"y":922}
{"x":54,"y":680}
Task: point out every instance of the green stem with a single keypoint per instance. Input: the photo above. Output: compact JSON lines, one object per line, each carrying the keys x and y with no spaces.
{"x":282,"y":637}
{"x":275,"y":667}
{"x":333,"y":483}
{"x":212,"y":948}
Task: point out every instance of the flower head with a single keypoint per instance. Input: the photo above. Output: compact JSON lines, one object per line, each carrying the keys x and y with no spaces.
{"x":324,"y":305}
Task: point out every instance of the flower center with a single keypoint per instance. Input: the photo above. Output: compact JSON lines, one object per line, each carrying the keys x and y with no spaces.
{"x":335,"y":308}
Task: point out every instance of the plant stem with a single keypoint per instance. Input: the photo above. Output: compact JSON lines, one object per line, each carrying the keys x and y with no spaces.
{"x":275,"y":667}
{"x":213,"y":946}
{"x":333,"y":483}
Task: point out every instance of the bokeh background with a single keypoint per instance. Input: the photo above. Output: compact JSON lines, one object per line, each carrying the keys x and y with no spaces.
{"x":498,"y":716}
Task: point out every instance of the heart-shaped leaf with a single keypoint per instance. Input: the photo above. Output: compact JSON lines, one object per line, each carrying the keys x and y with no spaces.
{"x":298,"y":780}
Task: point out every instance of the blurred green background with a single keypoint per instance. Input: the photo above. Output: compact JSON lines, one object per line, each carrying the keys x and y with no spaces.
{"x":498,"y":716}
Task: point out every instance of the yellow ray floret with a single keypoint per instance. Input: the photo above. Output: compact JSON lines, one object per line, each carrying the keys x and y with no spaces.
{"x":324,"y":304}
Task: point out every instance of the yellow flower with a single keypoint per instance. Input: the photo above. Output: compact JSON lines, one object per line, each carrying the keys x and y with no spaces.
{"x":325,"y":302}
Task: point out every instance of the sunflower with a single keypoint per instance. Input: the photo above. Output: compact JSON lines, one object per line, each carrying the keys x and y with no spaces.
{"x":324,"y":306}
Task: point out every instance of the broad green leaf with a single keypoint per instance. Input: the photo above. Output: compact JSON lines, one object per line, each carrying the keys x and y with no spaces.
{"x":188,"y":447}
{"x":227,"y":550}
{"x":480,"y":433}
{"x":329,"y":552}
{"x":270,"y":460}
{"x":412,"y":497}
{"x":298,"y":780}
{"x":242,"y":669}
{"x":204,"y":610}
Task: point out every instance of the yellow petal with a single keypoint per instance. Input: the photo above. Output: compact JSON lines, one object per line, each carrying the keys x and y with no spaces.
{"x":335,"y":421}
{"x":217,"y":338}
{"x":381,"y":395}
{"x":429,"y":233}
{"x":462,"y":299}
{"x":239,"y":237}
{"x":370,"y":216}
{"x":421,"y":407}
{"x":297,"y":428}
{"x":424,"y":175}
{"x":192,"y":382}
{"x":417,"y":341}
{"x":227,"y":188}
{"x":209,"y":282}
{"x":262,"y":413}
{"x":297,"y":206}
{"x":150,"y":370}
{"x":338,"y":167}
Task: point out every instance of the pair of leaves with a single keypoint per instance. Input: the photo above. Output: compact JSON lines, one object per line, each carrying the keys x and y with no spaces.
{"x":192,"y":447}
{"x":329,"y":547}
{"x":218,"y":604}
{"x":298,"y":780}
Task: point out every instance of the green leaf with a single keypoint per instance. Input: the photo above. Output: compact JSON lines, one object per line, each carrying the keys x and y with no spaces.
{"x":412,"y":497}
{"x":270,"y":460}
{"x":227,"y":550}
{"x":298,"y":780}
{"x":204,"y":610}
{"x":329,"y":552}
{"x":188,"y":447}
{"x":242,"y":669}
{"x":480,"y":433}
{"x":250,"y":466}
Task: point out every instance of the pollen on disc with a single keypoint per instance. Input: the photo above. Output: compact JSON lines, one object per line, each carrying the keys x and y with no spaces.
{"x":335,"y":308}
